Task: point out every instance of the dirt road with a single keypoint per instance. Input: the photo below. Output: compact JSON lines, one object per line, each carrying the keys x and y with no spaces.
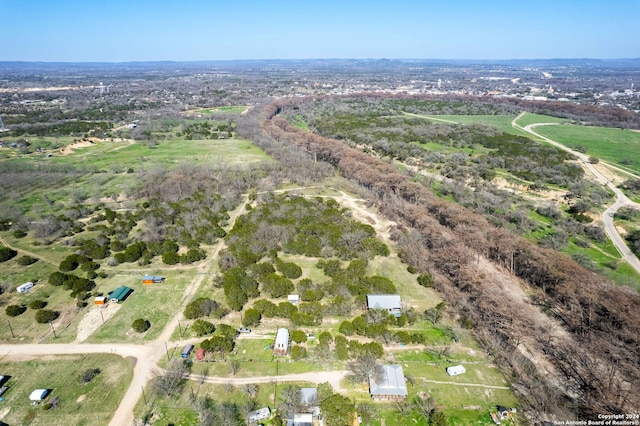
{"x":621,"y":198}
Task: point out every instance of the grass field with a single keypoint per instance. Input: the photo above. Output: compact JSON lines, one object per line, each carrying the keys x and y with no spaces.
{"x":618,"y":146}
{"x":500,"y":122}
{"x":79,"y":404}
{"x":531,"y":118}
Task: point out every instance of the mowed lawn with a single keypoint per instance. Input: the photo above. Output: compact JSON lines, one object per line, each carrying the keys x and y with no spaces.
{"x":79,"y":404}
{"x":618,"y":146}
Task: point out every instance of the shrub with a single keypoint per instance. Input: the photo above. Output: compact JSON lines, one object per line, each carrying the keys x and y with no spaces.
{"x":170,"y":258}
{"x":141,"y":325}
{"x":88,"y":375}
{"x":37,"y":304}
{"x":251,"y":317}
{"x":6,"y":253}
{"x":15,"y":310}
{"x":298,"y":336}
{"x":202,"y":327}
{"x":26,"y":260}
{"x":19,"y":233}
{"x":46,"y":315}
{"x":425,"y":280}
{"x":298,"y":352}
{"x":289,"y":269}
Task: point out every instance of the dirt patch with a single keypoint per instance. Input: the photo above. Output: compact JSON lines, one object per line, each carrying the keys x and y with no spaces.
{"x":81,"y":398}
{"x":4,"y":412}
{"x":93,"y":319}
{"x":70,"y":148}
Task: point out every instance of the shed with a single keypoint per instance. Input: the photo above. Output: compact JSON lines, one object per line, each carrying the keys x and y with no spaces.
{"x":390,"y":384}
{"x":281,"y":345}
{"x":38,"y":394}
{"x":120,"y":294}
{"x":257,"y":415}
{"x":300,"y":419}
{"x":389,"y":302}
{"x":100,"y":300}
{"x":294,"y":299}
{"x":152,"y":279}
{"x":455,"y":370}
{"x":24,"y":287}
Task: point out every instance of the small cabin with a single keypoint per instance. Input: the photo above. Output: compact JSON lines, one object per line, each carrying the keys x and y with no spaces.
{"x":100,"y":300}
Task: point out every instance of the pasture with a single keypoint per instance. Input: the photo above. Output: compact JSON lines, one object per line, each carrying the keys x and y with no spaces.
{"x":618,"y":146}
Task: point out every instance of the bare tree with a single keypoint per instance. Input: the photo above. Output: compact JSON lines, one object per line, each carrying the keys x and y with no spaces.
{"x":169,"y":382}
{"x":364,"y":367}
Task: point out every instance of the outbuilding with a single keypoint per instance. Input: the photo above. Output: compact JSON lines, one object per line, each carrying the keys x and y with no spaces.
{"x":455,"y":370}
{"x":152,"y":279}
{"x":38,"y":395}
{"x":100,"y":300}
{"x":257,"y":415}
{"x":120,"y":294}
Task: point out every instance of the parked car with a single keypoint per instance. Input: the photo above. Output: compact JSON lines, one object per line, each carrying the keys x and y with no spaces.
{"x":244,"y":330}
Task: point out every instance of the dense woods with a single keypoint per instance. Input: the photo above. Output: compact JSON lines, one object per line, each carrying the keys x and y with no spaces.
{"x":571,"y":345}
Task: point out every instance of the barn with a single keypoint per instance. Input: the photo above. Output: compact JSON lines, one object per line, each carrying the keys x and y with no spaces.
{"x":120,"y":294}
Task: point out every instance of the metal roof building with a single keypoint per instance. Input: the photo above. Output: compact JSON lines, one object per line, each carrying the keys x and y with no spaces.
{"x":389,"y":302}
{"x":390,"y":385}
{"x":281,"y":345}
{"x":120,"y":294}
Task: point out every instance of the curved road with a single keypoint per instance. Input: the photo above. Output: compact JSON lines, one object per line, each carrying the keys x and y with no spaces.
{"x":621,"y":199}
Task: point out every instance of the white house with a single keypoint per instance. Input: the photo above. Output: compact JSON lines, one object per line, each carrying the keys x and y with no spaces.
{"x":24,"y":287}
{"x":455,"y":370}
{"x":281,"y":345}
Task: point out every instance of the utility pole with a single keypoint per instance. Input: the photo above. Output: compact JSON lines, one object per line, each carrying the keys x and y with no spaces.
{"x":101,"y":316}
{"x":144,"y":396}
{"x":12,"y":335}
{"x":53,"y":330}
{"x":167,"y":350}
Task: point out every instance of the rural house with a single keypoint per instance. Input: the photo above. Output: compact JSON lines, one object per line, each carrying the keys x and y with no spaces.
{"x":38,"y":395}
{"x":281,"y":345}
{"x":390,"y":385}
{"x":389,"y":302}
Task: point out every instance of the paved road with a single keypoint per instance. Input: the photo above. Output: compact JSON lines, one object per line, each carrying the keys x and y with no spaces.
{"x":621,"y":199}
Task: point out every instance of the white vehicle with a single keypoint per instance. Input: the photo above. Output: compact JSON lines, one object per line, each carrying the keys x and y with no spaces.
{"x":24,"y":287}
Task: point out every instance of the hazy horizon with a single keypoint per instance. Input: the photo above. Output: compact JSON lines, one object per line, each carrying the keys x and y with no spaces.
{"x":197,"y":30}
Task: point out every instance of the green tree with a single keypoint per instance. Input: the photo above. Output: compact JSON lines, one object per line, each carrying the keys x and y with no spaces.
{"x":44,"y":316}
{"x":201,"y":327}
{"x":338,"y":410}
{"x":170,"y":258}
{"x":297,"y":352}
{"x":251,"y":317}
{"x":346,"y":328}
{"x":15,"y":310}
{"x":298,"y":336}
{"x":26,"y":260}
{"x":141,"y":325}
{"x":37,"y":304}
{"x":6,"y":253}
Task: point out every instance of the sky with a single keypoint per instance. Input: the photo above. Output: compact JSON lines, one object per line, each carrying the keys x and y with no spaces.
{"x":196,"y":30}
